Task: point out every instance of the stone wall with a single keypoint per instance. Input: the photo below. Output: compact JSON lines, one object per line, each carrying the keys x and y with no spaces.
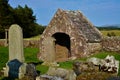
{"x":94,"y":47}
{"x":31,"y":43}
{"x":2,"y":42}
{"x":107,"y":44}
{"x":111,"y":44}
{"x":27,"y":43}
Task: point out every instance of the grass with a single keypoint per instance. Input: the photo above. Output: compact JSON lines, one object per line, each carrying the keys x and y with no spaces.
{"x":33,"y":38}
{"x":66,"y":65}
{"x":31,"y":56}
{"x":105,"y":32}
{"x":42,"y":68}
{"x":103,"y":54}
{"x":3,"y":56}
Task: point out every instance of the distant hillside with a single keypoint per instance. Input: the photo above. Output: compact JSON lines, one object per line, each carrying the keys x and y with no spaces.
{"x":109,"y":27}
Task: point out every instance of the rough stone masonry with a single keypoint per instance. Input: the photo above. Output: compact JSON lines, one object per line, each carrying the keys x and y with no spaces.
{"x":72,"y":32}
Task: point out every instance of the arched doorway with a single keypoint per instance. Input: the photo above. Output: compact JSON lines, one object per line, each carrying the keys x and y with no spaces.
{"x":62,"y":46}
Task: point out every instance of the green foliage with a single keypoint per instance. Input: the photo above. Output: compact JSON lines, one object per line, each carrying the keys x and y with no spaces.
{"x":111,"y":34}
{"x":108,"y":28}
{"x":31,"y":54}
{"x":22,"y":16}
{"x":25,"y":18}
{"x":103,"y":54}
{"x":66,"y":65}
{"x":3,"y":56}
{"x":6,"y":16}
{"x":42,"y":68}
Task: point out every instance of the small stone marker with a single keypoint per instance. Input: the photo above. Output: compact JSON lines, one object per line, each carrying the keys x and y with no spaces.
{"x":6,"y":37}
{"x":31,"y":71}
{"x":15,"y":67}
{"x":49,"y":52}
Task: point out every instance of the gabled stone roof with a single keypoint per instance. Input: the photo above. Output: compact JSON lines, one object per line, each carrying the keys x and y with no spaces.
{"x":91,"y":33}
{"x":72,"y":33}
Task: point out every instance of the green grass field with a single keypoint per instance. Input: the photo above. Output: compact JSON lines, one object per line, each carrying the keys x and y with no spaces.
{"x":33,"y":38}
{"x":105,"y":32}
{"x":31,"y":56}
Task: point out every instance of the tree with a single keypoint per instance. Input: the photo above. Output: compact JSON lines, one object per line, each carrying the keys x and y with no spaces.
{"x":25,"y":18}
{"x":6,"y":17}
{"x":111,"y":34}
{"x":22,"y":16}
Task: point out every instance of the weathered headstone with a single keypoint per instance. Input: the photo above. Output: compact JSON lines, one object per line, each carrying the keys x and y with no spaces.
{"x":49,"y":52}
{"x":31,"y":71}
{"x":15,"y":67}
{"x":16,"y":43}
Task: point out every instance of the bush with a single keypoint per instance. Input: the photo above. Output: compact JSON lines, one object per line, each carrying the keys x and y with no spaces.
{"x":111,"y":34}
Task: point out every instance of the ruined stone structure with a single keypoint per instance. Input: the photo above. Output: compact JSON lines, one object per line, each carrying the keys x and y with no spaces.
{"x":72,"y":33}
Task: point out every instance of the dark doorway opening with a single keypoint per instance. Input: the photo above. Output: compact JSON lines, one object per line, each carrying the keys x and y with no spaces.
{"x":62,"y":46}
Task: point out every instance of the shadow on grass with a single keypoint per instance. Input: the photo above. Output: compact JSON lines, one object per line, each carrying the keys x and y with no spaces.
{"x":37,"y":63}
{"x":8,"y":78}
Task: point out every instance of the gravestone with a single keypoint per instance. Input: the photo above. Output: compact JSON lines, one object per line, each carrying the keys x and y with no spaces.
{"x":49,"y":52}
{"x":15,"y":67}
{"x":31,"y":71}
{"x":16,"y":43}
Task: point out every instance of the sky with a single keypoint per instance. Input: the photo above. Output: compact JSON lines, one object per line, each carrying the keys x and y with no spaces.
{"x":99,"y":12}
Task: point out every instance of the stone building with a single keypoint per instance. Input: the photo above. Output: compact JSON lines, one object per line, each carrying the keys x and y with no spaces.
{"x":73,"y":36}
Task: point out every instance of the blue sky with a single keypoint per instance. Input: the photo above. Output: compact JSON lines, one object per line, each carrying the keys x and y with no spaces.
{"x":99,"y":12}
